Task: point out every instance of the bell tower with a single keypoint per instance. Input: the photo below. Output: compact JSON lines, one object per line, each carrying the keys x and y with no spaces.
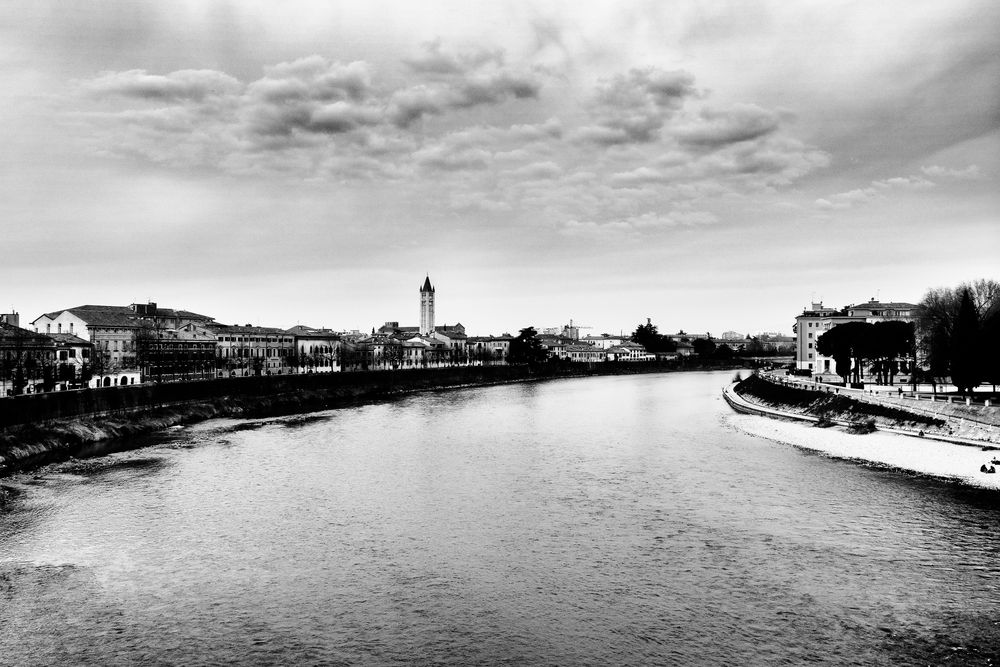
{"x":427,"y":308}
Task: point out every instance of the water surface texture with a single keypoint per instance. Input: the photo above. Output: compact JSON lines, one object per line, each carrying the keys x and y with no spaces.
{"x":612,"y":520}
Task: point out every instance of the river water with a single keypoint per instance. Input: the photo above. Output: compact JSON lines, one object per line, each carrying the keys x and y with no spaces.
{"x":605,"y":521}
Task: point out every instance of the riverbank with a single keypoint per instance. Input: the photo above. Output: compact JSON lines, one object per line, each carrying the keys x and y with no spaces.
{"x":27,"y":446}
{"x":813,"y":421}
{"x":860,"y":413}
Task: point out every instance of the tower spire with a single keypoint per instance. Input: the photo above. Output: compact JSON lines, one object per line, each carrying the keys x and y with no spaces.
{"x":427,"y":307}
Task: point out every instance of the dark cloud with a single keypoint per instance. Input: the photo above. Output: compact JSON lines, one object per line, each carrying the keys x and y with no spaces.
{"x":342,"y":117}
{"x":182,"y":85}
{"x":328,"y":120}
{"x":713,"y":129}
{"x":314,"y":78}
{"x":496,"y":89}
{"x":633,"y":108}
{"x":410,"y":105}
{"x":310,"y":95}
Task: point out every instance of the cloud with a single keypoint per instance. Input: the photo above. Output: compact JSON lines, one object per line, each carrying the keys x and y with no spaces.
{"x":477,"y":201}
{"x":589,"y":228}
{"x":904,"y":182}
{"x":342,"y":117}
{"x":636,"y":225}
{"x":636,"y":177}
{"x":495,"y":89}
{"x":446,"y":158}
{"x":971,"y":172}
{"x":877,"y":189}
{"x":536,"y":171}
{"x":844,"y":200}
{"x":436,"y":61}
{"x":632,"y":108}
{"x":330,"y":120}
{"x":772,"y":162}
{"x":653,"y":221}
{"x":712,"y":129}
{"x":408,"y":106}
{"x":314,"y":78}
{"x":550,"y":129}
{"x":458,"y":80}
{"x":182,"y":85}
{"x":412,"y":104}
{"x":310,"y":95}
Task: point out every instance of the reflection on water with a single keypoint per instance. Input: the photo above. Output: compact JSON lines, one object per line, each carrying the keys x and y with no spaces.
{"x":618,"y":520}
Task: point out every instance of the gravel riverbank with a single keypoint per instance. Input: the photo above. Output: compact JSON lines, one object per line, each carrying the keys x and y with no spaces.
{"x":895,"y":444}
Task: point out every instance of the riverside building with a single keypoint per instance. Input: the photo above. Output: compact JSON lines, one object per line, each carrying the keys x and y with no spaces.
{"x":817,"y":320}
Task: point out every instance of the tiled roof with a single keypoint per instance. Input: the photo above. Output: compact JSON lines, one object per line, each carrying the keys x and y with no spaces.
{"x":879,"y":305}
{"x":185,"y":314}
{"x":246,"y":328}
{"x":67,"y":339}
{"x":301,"y":331}
{"x":11,"y":335}
{"x":120,"y":316}
{"x":449,"y":333}
{"x":110,"y":317}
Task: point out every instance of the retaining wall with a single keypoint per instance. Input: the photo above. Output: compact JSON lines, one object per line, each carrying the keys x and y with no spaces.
{"x":34,"y":408}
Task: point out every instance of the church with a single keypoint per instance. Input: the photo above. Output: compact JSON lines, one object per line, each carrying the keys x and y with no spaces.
{"x":452,"y":337}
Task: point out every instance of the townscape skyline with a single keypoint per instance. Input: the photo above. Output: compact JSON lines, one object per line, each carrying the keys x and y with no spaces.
{"x":583,"y":329}
{"x":710,"y":166}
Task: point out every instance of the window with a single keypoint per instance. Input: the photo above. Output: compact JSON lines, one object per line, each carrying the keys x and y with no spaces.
{"x":810,"y":334}
{"x":48,"y":328}
{"x":72,"y":353}
{"x":60,"y":327}
{"x":810,"y":346}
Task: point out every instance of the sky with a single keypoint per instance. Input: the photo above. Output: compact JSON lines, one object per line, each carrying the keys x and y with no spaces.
{"x":712,"y":166}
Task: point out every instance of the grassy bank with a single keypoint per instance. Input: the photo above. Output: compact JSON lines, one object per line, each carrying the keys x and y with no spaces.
{"x":827,"y":406}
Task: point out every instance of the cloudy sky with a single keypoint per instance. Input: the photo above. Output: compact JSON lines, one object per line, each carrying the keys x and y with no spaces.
{"x":710,"y":165}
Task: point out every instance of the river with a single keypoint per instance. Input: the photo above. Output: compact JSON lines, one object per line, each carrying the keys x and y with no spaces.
{"x":626,"y":520}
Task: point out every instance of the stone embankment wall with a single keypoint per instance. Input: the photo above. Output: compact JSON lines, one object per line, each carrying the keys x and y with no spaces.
{"x":42,"y":428}
{"x":944,"y":406}
{"x":36,"y":408}
{"x":835,"y":404}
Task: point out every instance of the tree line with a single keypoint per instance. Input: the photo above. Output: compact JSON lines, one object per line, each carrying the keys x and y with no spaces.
{"x":959,"y":334}
{"x":956,"y":335}
{"x":881,"y":344}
